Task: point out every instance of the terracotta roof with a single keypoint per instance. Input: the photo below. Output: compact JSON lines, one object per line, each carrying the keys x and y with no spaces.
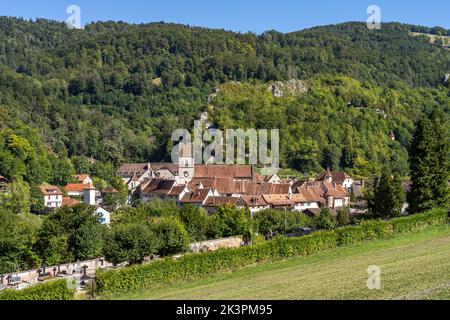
{"x":223,"y":185}
{"x":158,"y":186}
{"x":224,"y":171}
{"x":278,"y":199}
{"x":48,"y":190}
{"x":257,"y":188}
{"x":110,"y":190}
{"x":219,"y":201}
{"x":70,"y":202}
{"x":315,"y":191}
{"x":134,"y":177}
{"x":138,"y":169}
{"x":198,"y":196}
{"x":254,"y":201}
{"x":82,"y":177}
{"x":335,"y":190}
{"x":298,"y":183}
{"x":311,"y":194}
{"x":78,"y":187}
{"x":338,"y":176}
{"x":129,"y":169}
{"x":172,"y":167}
{"x":176,"y":191}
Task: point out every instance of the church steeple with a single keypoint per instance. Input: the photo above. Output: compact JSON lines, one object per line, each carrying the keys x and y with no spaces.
{"x":186,"y":163}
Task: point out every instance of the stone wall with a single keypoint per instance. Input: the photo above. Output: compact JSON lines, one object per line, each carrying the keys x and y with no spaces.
{"x":213,"y":245}
{"x":31,"y":276}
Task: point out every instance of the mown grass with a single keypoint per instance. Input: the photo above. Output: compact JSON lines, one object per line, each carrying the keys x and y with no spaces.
{"x":414,"y":266}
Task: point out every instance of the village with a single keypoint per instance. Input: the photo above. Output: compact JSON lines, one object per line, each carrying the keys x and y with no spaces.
{"x":211,"y":186}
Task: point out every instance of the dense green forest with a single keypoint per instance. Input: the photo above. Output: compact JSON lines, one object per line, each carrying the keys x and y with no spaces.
{"x":88,"y":100}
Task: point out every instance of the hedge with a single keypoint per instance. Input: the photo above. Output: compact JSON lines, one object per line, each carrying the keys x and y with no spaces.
{"x":194,"y":266}
{"x":54,"y":290}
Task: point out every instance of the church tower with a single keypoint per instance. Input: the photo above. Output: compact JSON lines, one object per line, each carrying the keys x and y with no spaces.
{"x":186,"y":163}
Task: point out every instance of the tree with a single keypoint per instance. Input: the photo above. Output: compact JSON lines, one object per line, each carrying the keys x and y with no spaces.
{"x":344,"y":216}
{"x":195,"y":221}
{"x":62,"y":171}
{"x":429,"y":164}
{"x":18,"y":234}
{"x":326,"y":219}
{"x":270,"y":221}
{"x":17,"y":197}
{"x":387,"y":198}
{"x":71,"y":233}
{"x":129,"y":242}
{"x":172,"y":235}
{"x":227,"y":221}
{"x":439,"y":183}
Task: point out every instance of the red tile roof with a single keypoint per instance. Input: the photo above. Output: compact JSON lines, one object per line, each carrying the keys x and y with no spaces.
{"x":219,"y":201}
{"x":158,"y":186}
{"x":48,"y":190}
{"x":176,"y":191}
{"x":254,"y":201}
{"x":224,"y":171}
{"x":110,"y":190}
{"x":69,"y":202}
{"x":82,"y":177}
{"x":338,"y":177}
{"x":78,"y":187}
{"x":278,"y":199}
{"x":198,"y":196}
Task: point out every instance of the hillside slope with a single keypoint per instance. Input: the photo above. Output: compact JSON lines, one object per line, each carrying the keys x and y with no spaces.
{"x":114,"y":92}
{"x":413,"y":266}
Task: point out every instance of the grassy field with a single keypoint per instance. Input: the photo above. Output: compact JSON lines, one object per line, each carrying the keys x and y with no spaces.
{"x":414,"y":266}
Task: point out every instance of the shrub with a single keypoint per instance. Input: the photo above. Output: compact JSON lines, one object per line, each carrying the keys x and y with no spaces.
{"x":326,"y":219}
{"x":195,"y":220}
{"x":227,"y":221}
{"x":344,"y":216}
{"x":55,"y":290}
{"x":194,"y":266}
{"x":280,"y":221}
{"x":129,"y":242}
{"x":172,"y":235}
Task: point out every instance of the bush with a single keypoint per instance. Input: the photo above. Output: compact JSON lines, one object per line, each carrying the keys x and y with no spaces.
{"x":227,"y":221}
{"x":129,"y":242}
{"x":173,"y":237}
{"x":195,"y":220}
{"x":55,"y":290}
{"x":194,"y":266}
{"x":344,"y":216}
{"x":280,"y":222}
{"x":326,"y":219}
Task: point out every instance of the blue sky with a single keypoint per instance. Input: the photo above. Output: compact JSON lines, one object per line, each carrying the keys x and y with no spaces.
{"x":238,"y":15}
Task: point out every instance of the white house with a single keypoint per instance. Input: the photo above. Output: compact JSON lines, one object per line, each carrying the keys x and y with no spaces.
{"x":53,"y":197}
{"x":105,"y":215}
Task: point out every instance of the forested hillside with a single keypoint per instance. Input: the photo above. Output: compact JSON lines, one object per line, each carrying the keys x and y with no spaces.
{"x":88,"y":100}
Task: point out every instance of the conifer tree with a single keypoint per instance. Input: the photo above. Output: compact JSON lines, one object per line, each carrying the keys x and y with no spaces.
{"x":429,"y":164}
{"x":420,"y":196}
{"x":441,"y":163}
{"x":388,"y":196}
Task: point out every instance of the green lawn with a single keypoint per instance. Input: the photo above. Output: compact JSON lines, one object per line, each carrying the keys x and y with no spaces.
{"x":414,"y":266}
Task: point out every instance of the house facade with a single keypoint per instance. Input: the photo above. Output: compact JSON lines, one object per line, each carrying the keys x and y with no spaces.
{"x":52,"y":196}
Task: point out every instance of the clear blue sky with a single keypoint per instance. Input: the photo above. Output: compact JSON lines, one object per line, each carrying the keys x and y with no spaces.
{"x":237,"y":15}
